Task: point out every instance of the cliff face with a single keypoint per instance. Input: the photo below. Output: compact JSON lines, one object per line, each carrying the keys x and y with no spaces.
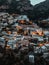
{"x":24,"y":5}
{"x":17,"y":6}
{"x":21,"y":6}
{"x":41,"y":10}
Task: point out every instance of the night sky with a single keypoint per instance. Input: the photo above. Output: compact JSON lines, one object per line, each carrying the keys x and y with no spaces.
{"x":36,"y":1}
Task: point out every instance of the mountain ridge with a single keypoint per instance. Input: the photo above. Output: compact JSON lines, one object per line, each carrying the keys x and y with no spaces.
{"x":39,"y":11}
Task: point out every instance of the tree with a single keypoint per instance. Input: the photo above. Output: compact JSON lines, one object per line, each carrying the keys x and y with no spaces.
{"x":2,"y":2}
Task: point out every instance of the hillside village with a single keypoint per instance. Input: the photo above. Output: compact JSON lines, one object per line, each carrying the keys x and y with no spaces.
{"x":24,"y":33}
{"x":19,"y":28}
